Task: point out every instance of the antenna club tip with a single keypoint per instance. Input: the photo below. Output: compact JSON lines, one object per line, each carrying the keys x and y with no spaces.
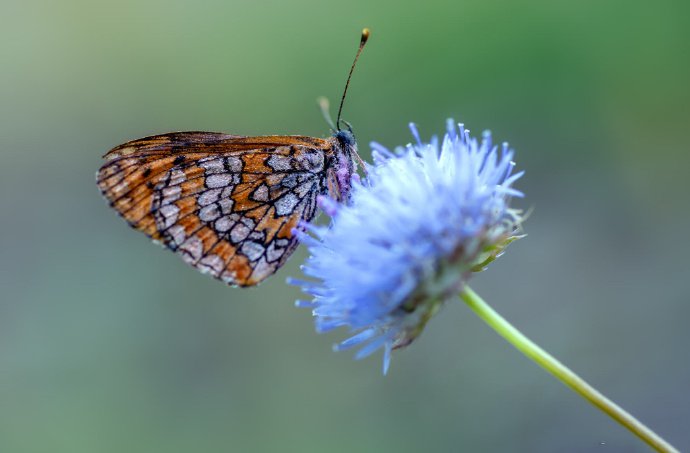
{"x":365,"y":36}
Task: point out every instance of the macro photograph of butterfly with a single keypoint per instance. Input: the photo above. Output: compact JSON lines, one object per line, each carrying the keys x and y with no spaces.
{"x":228,"y":204}
{"x":268,"y":226}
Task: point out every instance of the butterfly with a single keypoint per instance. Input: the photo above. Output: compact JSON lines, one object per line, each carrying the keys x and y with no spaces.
{"x":228,"y":205}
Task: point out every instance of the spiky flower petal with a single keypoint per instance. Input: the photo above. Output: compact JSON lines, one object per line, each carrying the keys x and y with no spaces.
{"x":426,"y":217}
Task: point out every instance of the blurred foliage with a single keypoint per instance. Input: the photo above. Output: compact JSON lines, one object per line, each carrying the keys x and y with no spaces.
{"x":110,"y":344}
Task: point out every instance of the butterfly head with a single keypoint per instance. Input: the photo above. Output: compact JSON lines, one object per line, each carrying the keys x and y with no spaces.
{"x":346,"y":139}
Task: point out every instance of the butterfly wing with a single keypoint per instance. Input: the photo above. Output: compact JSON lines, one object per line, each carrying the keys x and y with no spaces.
{"x":226,"y":204}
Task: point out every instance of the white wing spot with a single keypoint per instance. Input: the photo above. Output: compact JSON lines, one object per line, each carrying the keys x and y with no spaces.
{"x":227,"y":192}
{"x":213,"y":166}
{"x":209,"y":213}
{"x":234,"y":163}
{"x":226,"y":205}
{"x":274,"y":253}
{"x":170,"y":194}
{"x":177,"y":177}
{"x":218,"y":180}
{"x":279,"y":163}
{"x":248,"y":222}
{"x":304,"y":189}
{"x":286,"y":204}
{"x":239,"y":233}
{"x":289,"y":181}
{"x":173,"y":191}
{"x":224,"y":224}
{"x":261,"y":193}
{"x":311,"y":161}
{"x":169,"y":213}
{"x":262,"y":268}
{"x":178,"y":234}
{"x":208,"y":197}
{"x":252,"y":250}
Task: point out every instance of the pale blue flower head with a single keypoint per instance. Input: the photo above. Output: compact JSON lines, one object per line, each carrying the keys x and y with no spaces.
{"x":426,"y":216}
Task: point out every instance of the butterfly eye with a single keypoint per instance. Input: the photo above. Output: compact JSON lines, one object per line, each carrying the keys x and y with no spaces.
{"x":346,"y":138}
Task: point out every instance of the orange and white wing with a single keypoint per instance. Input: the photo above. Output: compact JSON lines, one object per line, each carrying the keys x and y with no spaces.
{"x":225,"y":204}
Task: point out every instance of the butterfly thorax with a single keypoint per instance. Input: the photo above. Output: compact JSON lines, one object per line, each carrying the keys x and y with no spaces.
{"x":343,"y":167}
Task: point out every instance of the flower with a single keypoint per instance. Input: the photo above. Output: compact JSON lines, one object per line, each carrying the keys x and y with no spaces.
{"x":426,"y":216}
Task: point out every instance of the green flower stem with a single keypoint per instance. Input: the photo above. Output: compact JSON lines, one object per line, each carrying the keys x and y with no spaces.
{"x":563,"y":373}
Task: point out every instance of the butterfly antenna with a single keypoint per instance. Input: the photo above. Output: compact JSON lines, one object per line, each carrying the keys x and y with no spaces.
{"x":362,"y":42}
{"x":325,"y":108}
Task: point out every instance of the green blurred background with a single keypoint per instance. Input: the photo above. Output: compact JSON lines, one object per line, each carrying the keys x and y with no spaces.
{"x":109,"y":343}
